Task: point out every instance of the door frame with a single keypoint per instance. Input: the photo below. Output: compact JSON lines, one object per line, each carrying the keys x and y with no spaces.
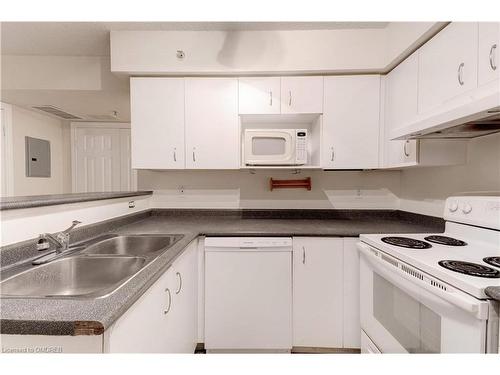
{"x":93,"y":125}
{"x":8,"y":163}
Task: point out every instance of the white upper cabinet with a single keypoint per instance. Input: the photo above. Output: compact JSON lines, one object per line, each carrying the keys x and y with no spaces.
{"x":259,"y":95}
{"x":212,"y":127}
{"x":447,"y":66}
{"x":351,"y":122}
{"x":157,"y":126}
{"x":401,"y":91}
{"x":301,"y":95}
{"x":489,"y":52}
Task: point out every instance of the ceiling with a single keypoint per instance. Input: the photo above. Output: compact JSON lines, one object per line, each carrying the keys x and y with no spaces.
{"x":92,"y":38}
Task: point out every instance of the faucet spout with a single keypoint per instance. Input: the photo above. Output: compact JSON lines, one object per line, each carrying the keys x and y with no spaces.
{"x":60,"y":240}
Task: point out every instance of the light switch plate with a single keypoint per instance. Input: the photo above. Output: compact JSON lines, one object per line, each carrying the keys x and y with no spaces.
{"x":37,"y":157}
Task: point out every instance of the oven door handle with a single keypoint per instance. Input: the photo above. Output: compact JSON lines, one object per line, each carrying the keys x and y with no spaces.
{"x":412,"y":285}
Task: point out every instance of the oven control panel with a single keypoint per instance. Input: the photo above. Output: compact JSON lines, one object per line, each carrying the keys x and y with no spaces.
{"x":482,"y":211}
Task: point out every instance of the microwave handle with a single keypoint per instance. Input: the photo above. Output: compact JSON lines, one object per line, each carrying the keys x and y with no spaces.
{"x":431,"y":295}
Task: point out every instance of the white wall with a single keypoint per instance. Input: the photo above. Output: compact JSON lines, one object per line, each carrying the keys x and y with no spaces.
{"x":235,"y":189}
{"x":33,"y":124}
{"x":424,"y":190}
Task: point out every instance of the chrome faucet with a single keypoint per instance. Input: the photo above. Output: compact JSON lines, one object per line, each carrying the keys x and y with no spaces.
{"x":60,"y":240}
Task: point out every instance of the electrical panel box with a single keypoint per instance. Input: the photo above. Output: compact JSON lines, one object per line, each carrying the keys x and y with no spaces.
{"x":37,"y":157}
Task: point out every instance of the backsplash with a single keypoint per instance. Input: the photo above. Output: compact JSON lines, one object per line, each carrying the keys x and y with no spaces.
{"x":241,"y":189}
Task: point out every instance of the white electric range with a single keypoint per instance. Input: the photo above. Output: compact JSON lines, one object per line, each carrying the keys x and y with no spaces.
{"x":424,"y":293}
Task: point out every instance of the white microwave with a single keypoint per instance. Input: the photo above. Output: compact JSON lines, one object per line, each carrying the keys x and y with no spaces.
{"x":275,"y":146}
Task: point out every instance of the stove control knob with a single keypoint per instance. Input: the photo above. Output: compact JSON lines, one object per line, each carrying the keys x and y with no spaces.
{"x":453,"y":206}
{"x":467,"y":208}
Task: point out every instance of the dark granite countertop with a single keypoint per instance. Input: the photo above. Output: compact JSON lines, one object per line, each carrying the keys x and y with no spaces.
{"x":12,"y":203}
{"x":53,"y":316}
{"x":493,"y":292}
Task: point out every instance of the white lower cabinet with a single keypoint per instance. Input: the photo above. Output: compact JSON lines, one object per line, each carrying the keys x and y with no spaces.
{"x":164,"y":319}
{"x":325,"y":292}
{"x":317,"y":292}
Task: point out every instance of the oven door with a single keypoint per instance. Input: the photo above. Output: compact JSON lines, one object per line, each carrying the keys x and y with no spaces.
{"x":271,"y":147}
{"x":403,"y":312}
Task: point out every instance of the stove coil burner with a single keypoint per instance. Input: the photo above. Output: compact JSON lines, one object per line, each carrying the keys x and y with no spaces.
{"x":444,"y":240}
{"x":410,"y":243}
{"x":472,"y":269}
{"x":492,"y":261}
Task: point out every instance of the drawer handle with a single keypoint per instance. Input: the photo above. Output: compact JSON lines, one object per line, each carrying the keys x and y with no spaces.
{"x":194,"y":156}
{"x":303,"y":255}
{"x":180,"y":283}
{"x":333,"y":154}
{"x":175,"y":156}
{"x":289,"y":98}
{"x":460,"y":74}
{"x":405,"y":149}
{"x":165,"y":312}
{"x":492,"y":57}
{"x":271,"y":98}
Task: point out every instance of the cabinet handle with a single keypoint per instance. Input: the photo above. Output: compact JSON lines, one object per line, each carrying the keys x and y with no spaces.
{"x":271,"y":98}
{"x":194,"y":156}
{"x":333,"y":154}
{"x":289,"y":98}
{"x":460,"y":74}
{"x":303,"y":255}
{"x":405,"y":150}
{"x":180,"y":283}
{"x":492,"y":57}
{"x":165,"y":312}
{"x":175,"y":156}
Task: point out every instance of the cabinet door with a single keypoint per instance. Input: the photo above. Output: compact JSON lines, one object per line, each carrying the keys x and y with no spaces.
{"x":259,"y":95}
{"x":400,"y":108}
{"x":301,"y":94}
{"x":318,"y":292}
{"x":212,"y":128}
{"x":157,"y":122}
{"x":352,"y":326}
{"x":183,"y":331}
{"x":447,"y":66}
{"x":489,"y":52}
{"x":351,"y":122}
{"x":144,"y":327}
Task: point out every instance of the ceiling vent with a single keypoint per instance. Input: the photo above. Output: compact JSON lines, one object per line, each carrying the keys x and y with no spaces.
{"x":54,"y":111}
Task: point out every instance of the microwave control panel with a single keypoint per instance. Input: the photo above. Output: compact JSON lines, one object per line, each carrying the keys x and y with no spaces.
{"x":301,"y":146}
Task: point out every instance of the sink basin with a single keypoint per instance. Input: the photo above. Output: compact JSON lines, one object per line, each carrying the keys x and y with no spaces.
{"x":76,"y":276}
{"x":135,"y":245}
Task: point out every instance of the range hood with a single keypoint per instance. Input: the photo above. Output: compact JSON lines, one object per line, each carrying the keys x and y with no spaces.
{"x":475,"y":115}
{"x":471,"y":129}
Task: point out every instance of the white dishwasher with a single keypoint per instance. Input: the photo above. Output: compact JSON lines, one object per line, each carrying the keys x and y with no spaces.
{"x":248,"y":294}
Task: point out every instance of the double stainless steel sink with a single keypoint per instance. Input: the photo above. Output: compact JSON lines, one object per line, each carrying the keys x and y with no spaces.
{"x":90,"y":269}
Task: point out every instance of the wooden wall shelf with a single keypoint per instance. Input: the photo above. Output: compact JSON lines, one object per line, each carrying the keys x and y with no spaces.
{"x":290,"y":184}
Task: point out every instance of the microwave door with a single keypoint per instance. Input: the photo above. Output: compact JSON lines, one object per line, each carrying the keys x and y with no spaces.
{"x":270,"y":149}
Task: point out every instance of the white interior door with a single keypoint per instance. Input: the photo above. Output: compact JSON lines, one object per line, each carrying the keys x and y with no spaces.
{"x":101,"y":159}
